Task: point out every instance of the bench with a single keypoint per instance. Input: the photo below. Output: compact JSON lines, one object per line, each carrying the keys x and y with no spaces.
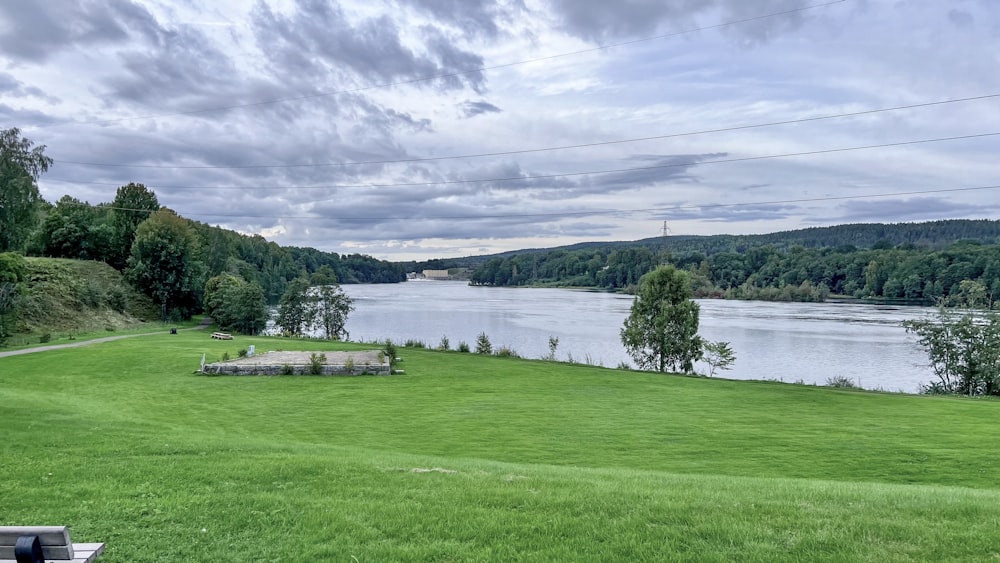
{"x":222,"y":336}
{"x":38,"y":544}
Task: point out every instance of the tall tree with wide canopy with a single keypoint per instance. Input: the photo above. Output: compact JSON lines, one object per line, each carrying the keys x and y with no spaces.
{"x":132,"y":205}
{"x":661,"y":332}
{"x":164,"y":264}
{"x":21,"y":163}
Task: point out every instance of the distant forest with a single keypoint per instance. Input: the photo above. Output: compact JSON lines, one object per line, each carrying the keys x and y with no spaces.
{"x":915,"y":262}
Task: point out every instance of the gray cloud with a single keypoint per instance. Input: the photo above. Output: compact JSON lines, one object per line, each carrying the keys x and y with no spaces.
{"x":916,"y":208}
{"x":600,"y":21}
{"x":961,"y":18}
{"x":319,"y":41}
{"x":742,"y":213}
{"x":474,"y":17}
{"x":472,"y":109}
{"x":34,"y":31}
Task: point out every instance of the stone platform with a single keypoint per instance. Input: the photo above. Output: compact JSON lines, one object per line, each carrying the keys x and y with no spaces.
{"x":363,"y":362}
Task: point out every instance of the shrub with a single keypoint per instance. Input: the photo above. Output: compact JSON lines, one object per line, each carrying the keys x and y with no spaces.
{"x":349,"y":364}
{"x":287,"y":370}
{"x":117,"y":298}
{"x":390,"y":352}
{"x":316,"y":363}
{"x":242,"y":353}
{"x":445,"y":344}
{"x":506,"y":352}
{"x":625,"y":366}
{"x":225,"y":356}
{"x":414,"y":344}
{"x":463,"y":346}
{"x":842,"y":382}
{"x":553,"y":344}
{"x":46,"y":337}
{"x":483,"y":345}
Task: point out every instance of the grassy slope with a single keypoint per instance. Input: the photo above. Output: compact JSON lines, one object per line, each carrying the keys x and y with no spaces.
{"x":70,"y":297}
{"x":527,"y":460}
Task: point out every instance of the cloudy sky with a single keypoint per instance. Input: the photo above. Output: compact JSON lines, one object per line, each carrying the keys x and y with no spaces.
{"x":432,"y":128}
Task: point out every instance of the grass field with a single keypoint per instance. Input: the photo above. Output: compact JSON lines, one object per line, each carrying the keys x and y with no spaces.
{"x":485,"y":459}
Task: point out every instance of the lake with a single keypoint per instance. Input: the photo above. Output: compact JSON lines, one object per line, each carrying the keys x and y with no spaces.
{"x":809,"y":342}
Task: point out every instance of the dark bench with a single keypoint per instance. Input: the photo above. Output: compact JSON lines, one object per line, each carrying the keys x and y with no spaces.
{"x":37,"y":544}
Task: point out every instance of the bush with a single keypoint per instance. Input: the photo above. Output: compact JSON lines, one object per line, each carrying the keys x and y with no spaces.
{"x":463,"y":347}
{"x":287,"y":370}
{"x":46,"y":337}
{"x":483,"y":345}
{"x":225,"y":356}
{"x":316,"y":363}
{"x":414,"y":344}
{"x":841,"y":382}
{"x":506,"y":352}
{"x":390,"y":352}
{"x":117,"y":298}
{"x":242,"y":353}
{"x":445,"y":344}
{"x":349,"y":364}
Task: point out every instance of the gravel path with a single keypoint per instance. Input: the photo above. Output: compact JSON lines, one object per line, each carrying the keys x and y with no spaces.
{"x":89,"y":342}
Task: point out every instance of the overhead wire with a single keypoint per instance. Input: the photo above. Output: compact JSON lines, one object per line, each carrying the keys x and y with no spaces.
{"x":539,"y":149}
{"x":688,"y":164}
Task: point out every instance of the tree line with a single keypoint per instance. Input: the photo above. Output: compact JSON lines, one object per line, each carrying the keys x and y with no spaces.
{"x":167,"y":256}
{"x":905,"y":272}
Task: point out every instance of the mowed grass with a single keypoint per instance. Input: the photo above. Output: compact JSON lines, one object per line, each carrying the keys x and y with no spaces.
{"x":480,"y":458}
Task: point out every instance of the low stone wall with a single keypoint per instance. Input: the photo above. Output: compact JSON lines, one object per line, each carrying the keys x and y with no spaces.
{"x":299,"y":363}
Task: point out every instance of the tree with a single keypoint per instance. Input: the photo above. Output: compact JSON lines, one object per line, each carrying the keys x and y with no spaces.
{"x":330,"y":307}
{"x":132,"y":205}
{"x":661,"y":332}
{"x":236,"y":304}
{"x":74,"y":229}
{"x":718,"y":356}
{"x":964,"y":349}
{"x":294,"y":310}
{"x":20,"y":166}
{"x":163,"y":263}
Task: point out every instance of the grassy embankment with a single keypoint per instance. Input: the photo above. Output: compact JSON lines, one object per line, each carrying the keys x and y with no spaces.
{"x":483,"y":458}
{"x":77,"y":300}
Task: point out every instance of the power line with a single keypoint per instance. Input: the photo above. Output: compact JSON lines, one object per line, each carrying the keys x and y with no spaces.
{"x":569,"y":213}
{"x":540,"y":149}
{"x":562,"y":175}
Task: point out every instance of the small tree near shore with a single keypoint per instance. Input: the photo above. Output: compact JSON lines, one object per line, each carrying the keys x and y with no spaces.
{"x":661,"y":332}
{"x":718,"y":356}
{"x":964,"y":349}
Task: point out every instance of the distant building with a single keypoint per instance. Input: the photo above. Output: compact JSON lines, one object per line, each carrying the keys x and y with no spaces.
{"x":436,"y":274}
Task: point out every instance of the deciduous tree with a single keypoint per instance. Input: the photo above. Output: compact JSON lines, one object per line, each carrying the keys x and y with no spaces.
{"x":661,"y":332}
{"x":21,"y":163}
{"x":163,"y":263}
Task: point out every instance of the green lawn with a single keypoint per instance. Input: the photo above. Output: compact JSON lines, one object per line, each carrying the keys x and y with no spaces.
{"x":480,"y":458}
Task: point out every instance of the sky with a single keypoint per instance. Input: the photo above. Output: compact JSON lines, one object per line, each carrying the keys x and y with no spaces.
{"x":417,"y":129}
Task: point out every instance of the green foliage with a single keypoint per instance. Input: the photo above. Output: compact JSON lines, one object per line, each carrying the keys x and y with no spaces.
{"x":841,"y":382}
{"x":331,"y":307}
{"x":389,"y":349}
{"x":349,"y":364}
{"x":506,"y":352}
{"x":21,"y":163}
{"x":164,"y":263}
{"x":444,"y":345}
{"x":316,"y":363}
{"x":287,"y":370}
{"x":235,"y":305}
{"x":661,"y":331}
{"x":463,"y":347}
{"x":413,"y":343}
{"x":74,"y":229}
{"x":553,"y":345}
{"x":483,"y":345}
{"x":133,"y":204}
{"x":241,"y":353}
{"x":294,"y":310}
{"x":964,"y":350}
{"x":45,"y":337}
{"x":225,"y":356}
{"x":718,"y":356}
{"x":13,"y":268}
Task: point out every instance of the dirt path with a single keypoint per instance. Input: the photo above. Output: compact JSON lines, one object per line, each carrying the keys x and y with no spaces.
{"x":202,"y":326}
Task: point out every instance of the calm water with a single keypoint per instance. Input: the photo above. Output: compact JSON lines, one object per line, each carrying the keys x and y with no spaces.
{"x":787,"y":341}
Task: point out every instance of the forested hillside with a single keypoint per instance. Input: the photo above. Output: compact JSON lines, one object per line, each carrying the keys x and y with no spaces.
{"x":915,"y":262}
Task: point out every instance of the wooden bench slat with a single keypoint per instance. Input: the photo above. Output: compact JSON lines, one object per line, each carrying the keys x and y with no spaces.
{"x":47,"y":535}
{"x":56,"y":545}
{"x":61,"y":552}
